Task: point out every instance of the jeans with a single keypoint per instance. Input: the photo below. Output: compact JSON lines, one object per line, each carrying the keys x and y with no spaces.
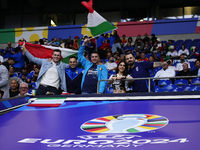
{"x":42,"y":90}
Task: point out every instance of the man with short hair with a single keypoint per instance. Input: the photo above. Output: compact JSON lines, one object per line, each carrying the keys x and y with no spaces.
{"x":185,"y":71}
{"x":197,"y":64}
{"x":73,"y":76}
{"x":141,"y":70}
{"x":23,"y":89}
{"x":52,"y":73}
{"x":111,"y":65}
{"x":179,"y":66}
{"x":13,"y":88}
{"x":94,"y":71}
{"x":10,"y":62}
{"x":25,"y":76}
{"x":9,"y":51}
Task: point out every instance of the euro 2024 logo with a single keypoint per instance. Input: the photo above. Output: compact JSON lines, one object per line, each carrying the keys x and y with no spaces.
{"x":127,"y":123}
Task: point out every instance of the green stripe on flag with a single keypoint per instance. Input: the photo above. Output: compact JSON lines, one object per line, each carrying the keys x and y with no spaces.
{"x":101,"y":28}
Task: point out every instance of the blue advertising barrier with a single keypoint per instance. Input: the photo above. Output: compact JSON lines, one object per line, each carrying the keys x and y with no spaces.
{"x":148,"y":122}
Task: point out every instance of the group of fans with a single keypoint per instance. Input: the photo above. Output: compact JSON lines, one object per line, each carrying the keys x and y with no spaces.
{"x":105,"y":57}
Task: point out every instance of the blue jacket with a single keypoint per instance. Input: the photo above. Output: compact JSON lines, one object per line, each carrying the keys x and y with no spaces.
{"x":102,"y":73}
{"x":45,"y":65}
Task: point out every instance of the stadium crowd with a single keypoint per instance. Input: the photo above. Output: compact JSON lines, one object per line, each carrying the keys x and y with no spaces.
{"x":105,"y":57}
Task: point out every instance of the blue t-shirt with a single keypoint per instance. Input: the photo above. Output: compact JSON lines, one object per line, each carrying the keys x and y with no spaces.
{"x":20,"y":60}
{"x":91,"y":79}
{"x":8,"y":53}
{"x":100,"y":41}
{"x":141,"y":70}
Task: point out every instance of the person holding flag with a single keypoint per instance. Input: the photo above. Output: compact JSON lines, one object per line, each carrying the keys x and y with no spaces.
{"x":94,"y":71}
{"x":52,"y":73}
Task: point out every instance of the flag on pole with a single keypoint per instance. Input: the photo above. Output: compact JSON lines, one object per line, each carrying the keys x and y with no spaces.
{"x":96,"y":23}
{"x":44,"y":51}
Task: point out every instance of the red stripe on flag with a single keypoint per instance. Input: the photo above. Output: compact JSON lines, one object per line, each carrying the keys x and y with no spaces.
{"x":103,"y":119}
{"x":44,"y":105}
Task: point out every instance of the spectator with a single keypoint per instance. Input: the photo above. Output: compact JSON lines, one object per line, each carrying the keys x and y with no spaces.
{"x":8,"y":52}
{"x":115,"y":35}
{"x":94,"y":71}
{"x":100,"y":41}
{"x":154,"y":48}
{"x":51,"y":74}
{"x":137,"y":57}
{"x":185,"y":72}
{"x":170,"y":42}
{"x":55,"y":42}
{"x":124,"y":40}
{"x":164,"y":48}
{"x":170,"y":66}
{"x":138,"y":38}
{"x":120,"y":86}
{"x":146,"y":38}
{"x":165,"y":72}
{"x":116,"y":57}
{"x":143,"y":58}
{"x":139,"y":45}
{"x":179,"y":66}
{"x":111,"y":65}
{"x":116,"y":47}
{"x":12,"y":72}
{"x":194,"y":54}
{"x":35,"y":74}
{"x":156,"y":58}
{"x":127,"y":48}
{"x":112,"y":40}
{"x":68,"y":44}
{"x":130,"y":40}
{"x":140,"y":70}
{"x":151,"y":59}
{"x":14,"y":91}
{"x":10,"y":62}
{"x":75,"y":43}
{"x":172,"y":53}
{"x":23,"y":89}
{"x":197,"y":64}
{"x":153,"y":38}
{"x":19,"y":57}
{"x":24,"y":76}
{"x":146,"y":48}
{"x":183,"y":51}
{"x":4,"y":86}
{"x":159,"y":44}
{"x":103,"y":49}
{"x":1,"y":93}
{"x":73,"y":76}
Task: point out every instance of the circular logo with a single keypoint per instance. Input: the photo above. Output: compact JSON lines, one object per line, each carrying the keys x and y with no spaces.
{"x":127,"y":123}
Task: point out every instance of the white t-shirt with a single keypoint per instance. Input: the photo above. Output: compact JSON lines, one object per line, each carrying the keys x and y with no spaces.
{"x":186,"y":51}
{"x":110,"y":65}
{"x":173,"y":54}
{"x":179,"y":66}
{"x":51,"y":77}
{"x":118,"y":84}
{"x":165,"y":73}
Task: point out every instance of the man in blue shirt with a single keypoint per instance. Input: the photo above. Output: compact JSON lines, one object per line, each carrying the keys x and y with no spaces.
{"x":141,"y":70}
{"x":94,"y":71}
{"x":73,"y":76}
{"x":9,"y":51}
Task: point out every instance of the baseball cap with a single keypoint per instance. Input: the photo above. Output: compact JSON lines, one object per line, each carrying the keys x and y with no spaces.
{"x":76,"y":37}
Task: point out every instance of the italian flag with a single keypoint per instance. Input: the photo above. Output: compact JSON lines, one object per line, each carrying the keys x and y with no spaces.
{"x":44,"y":51}
{"x":47,"y":102}
{"x":96,"y":23}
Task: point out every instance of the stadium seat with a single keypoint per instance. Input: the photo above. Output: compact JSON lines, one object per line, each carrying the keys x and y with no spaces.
{"x":188,"y":87}
{"x":181,"y":82}
{"x":162,"y":83}
{"x":170,"y":87}
{"x":159,"y":89}
{"x":195,"y":81}
{"x":110,"y":72}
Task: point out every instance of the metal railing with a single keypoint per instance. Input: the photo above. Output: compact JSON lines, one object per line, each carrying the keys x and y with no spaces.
{"x":149,"y":80}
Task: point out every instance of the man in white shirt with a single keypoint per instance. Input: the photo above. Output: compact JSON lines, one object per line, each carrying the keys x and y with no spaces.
{"x":23,"y":89}
{"x":172,"y":53}
{"x":183,"y":51}
{"x":165,"y":72}
{"x":111,"y":65}
{"x":52,"y":73}
{"x":179,"y":66}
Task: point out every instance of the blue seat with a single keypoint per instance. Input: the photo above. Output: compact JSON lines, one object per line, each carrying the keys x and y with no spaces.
{"x":162,"y":83}
{"x":170,"y":87}
{"x":195,"y":81}
{"x":110,"y":72}
{"x":181,"y":82}
{"x":159,"y":89}
{"x":188,"y":87}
